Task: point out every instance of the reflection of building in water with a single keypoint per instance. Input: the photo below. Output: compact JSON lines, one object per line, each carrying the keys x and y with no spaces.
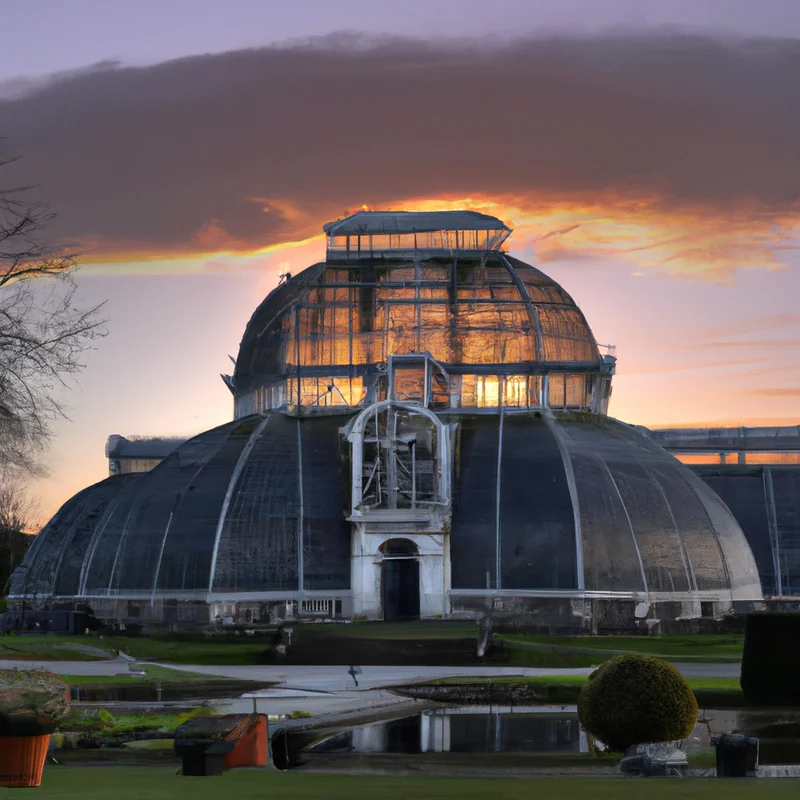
{"x":420,"y":430}
{"x":476,"y":730}
{"x":464,"y":730}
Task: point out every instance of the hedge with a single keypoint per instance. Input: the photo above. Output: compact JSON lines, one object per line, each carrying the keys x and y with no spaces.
{"x":771,"y":659}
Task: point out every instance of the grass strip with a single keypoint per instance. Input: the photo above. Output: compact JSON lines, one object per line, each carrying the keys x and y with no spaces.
{"x":697,"y":649}
{"x":564,"y":689}
{"x":161,"y":783}
{"x":518,"y":649}
{"x":38,"y":651}
{"x":176,"y":649}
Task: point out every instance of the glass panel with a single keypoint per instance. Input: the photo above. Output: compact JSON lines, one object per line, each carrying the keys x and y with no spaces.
{"x":772,"y":458}
{"x":516,"y":391}
{"x":556,"y":390}
{"x":440,"y":390}
{"x":474,"y":560}
{"x":468,"y":399}
{"x":575,"y":392}
{"x":278,"y":392}
{"x":436,"y":332}
{"x":535,"y":390}
{"x":325,"y":392}
{"x":258,"y":543}
{"x":408,"y":384}
{"x":380,"y":241}
{"x":326,"y":533}
{"x":402,"y":330}
{"x":456,"y":399}
{"x":698,"y":458}
{"x":487,"y":391}
{"x":537,"y":521}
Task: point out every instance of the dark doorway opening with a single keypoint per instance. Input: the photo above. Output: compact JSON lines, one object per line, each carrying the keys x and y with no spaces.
{"x":400,"y":580}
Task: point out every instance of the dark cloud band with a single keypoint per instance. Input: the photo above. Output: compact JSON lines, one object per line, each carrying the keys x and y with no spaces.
{"x":168,"y":156}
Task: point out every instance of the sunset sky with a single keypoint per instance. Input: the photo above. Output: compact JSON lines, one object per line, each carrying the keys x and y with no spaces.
{"x":646,"y":153}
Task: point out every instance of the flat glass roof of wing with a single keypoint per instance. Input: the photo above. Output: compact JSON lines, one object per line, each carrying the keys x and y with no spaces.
{"x":368,"y":232}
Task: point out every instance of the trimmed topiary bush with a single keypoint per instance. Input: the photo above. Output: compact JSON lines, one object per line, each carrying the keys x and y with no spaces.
{"x":771,"y":659}
{"x":637,"y":699}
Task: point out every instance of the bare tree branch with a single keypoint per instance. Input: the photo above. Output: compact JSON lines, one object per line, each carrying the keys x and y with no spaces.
{"x":43,"y":335}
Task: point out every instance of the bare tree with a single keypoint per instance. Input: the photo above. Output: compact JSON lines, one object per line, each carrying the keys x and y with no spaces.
{"x":42,"y":333}
{"x":17,"y":519}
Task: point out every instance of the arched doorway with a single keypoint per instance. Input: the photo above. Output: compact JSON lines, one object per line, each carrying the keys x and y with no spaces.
{"x":400,"y":580}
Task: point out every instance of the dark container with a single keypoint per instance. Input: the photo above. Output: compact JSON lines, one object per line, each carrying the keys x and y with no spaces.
{"x":771,"y":659}
{"x":737,"y":755}
{"x":202,"y":757}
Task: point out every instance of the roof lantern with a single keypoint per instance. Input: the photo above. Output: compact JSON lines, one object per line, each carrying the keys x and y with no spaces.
{"x":368,"y":234}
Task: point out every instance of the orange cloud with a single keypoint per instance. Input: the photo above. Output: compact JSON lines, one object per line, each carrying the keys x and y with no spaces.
{"x":701,"y":245}
{"x":649,"y":234}
{"x":674,"y":153}
{"x":779,"y":392}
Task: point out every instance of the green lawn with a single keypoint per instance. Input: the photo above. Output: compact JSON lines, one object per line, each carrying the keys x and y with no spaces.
{"x":21,"y":647}
{"x":520,"y":656}
{"x":704,"y":647}
{"x":161,"y":783}
{"x":522,"y":651}
{"x":569,"y":680}
{"x":564,"y":689}
{"x":580,"y":680}
{"x":177,"y":650}
{"x":181,"y":650}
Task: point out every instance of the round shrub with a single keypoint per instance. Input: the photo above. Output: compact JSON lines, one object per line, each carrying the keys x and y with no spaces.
{"x":637,"y":699}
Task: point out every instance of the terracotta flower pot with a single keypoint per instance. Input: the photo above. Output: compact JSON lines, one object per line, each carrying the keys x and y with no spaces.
{"x":22,"y":759}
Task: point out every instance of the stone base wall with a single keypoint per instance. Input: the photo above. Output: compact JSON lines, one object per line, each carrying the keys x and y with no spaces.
{"x":542,"y":615}
{"x":565,"y":616}
{"x":171,"y":615}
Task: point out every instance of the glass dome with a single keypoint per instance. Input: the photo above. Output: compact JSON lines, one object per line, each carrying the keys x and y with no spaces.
{"x":501,"y":332}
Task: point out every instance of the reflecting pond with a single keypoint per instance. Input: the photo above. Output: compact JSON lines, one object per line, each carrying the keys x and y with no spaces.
{"x":463,"y":730}
{"x":531,"y":730}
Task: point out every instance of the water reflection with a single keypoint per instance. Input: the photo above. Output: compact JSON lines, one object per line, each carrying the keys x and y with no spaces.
{"x":778,"y":731}
{"x":468,"y":730}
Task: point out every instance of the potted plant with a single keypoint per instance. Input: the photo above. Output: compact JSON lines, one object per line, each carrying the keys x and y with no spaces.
{"x":32,"y":702}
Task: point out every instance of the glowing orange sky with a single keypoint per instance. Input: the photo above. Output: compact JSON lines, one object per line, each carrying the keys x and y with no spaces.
{"x":699,"y":243}
{"x":717,"y":344}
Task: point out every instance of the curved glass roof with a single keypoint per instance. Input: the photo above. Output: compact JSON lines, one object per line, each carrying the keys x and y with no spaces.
{"x":471,"y":314}
{"x":256,"y":507}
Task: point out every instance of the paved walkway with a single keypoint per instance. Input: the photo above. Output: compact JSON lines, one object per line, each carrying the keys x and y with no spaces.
{"x":108,"y":668}
{"x":337,"y":679}
{"x":318,"y":704}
